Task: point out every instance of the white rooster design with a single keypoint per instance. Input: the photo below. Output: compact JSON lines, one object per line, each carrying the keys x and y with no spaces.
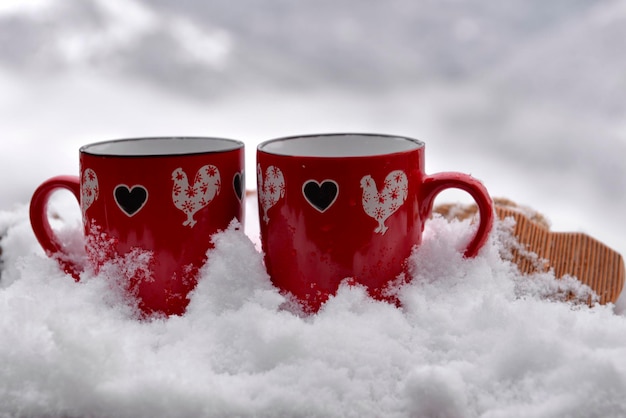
{"x":190,"y":198}
{"x":89,"y":190}
{"x":381,"y":205}
{"x":270,"y":190}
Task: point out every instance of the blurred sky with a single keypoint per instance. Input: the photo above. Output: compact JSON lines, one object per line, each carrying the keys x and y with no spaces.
{"x":526,"y":95}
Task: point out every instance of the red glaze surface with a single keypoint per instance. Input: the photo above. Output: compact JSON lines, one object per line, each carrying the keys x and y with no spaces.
{"x":312,"y":241}
{"x":152,"y":212}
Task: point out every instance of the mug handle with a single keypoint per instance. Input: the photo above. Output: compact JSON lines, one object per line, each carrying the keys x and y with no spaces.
{"x":41,"y":226}
{"x":436,"y":183}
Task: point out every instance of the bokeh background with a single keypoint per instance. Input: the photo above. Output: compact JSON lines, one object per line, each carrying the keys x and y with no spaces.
{"x":527,"y":95}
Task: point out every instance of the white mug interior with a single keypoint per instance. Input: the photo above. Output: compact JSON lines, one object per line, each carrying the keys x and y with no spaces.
{"x":340,"y":145}
{"x":161,"y":146}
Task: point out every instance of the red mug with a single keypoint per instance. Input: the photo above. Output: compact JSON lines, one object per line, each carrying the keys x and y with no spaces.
{"x":338,"y":206}
{"x":156,"y":199}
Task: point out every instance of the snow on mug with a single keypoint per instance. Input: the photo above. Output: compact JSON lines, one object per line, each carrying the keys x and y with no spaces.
{"x":336,"y":206}
{"x":149,"y":206}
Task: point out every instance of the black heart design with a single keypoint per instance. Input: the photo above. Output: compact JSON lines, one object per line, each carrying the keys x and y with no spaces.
{"x":239,"y":184}
{"x":130,"y":200}
{"x":320,"y":195}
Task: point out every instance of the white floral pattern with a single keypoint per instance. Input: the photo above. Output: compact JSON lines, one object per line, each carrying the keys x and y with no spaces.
{"x":89,"y":190}
{"x":381,"y":205}
{"x":190,"y":198}
{"x":271,"y":188}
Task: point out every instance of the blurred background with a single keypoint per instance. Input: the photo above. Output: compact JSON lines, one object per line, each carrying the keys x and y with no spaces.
{"x":528,"y":96}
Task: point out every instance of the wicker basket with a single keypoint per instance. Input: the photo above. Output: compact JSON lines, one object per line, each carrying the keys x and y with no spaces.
{"x":575,"y":254}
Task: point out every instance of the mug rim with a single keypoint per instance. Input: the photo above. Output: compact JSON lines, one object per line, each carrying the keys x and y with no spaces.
{"x":199,"y":146}
{"x":408,"y":145}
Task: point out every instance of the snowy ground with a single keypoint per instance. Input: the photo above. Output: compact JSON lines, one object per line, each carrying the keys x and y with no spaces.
{"x":474,"y":338}
{"x":528,"y":99}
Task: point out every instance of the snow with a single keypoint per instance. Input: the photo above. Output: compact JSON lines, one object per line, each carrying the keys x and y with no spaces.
{"x":472,"y":339}
{"x":523,"y":96}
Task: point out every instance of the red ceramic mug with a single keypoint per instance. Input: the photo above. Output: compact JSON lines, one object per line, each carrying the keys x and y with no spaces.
{"x":338,"y":206}
{"x":156,"y":199}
